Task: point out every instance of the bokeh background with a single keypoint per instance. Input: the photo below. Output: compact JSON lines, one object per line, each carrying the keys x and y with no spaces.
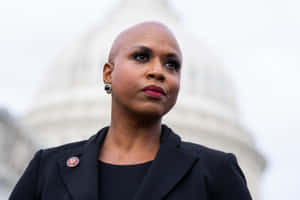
{"x":257,"y":41}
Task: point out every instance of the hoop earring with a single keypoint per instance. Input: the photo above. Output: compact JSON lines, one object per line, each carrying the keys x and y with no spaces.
{"x":107,"y":88}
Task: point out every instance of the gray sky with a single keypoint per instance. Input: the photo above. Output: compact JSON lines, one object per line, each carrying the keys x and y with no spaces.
{"x":257,"y":40}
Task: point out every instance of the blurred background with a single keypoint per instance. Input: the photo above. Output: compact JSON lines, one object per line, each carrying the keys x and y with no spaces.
{"x":240,"y":86}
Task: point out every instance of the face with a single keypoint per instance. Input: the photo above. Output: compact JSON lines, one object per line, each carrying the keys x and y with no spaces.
{"x":145,"y":73}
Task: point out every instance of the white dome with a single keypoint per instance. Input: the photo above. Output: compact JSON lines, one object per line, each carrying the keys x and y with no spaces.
{"x":72,"y":104}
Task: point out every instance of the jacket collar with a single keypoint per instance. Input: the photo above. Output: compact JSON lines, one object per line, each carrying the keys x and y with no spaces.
{"x":82,"y":180}
{"x":167,"y":169}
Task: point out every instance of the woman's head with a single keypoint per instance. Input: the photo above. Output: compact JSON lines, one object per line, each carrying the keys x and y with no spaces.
{"x":143,"y":69}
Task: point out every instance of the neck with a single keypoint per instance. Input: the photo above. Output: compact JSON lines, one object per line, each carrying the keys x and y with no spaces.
{"x":130,"y":138}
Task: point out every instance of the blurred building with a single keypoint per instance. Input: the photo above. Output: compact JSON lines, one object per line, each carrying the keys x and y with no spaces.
{"x":72,"y":105}
{"x":16,"y":150}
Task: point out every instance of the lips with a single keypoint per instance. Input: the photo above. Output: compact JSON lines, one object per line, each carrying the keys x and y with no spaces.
{"x":154,"y":91}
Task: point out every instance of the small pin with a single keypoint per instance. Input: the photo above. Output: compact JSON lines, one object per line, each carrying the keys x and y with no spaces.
{"x":72,"y":161}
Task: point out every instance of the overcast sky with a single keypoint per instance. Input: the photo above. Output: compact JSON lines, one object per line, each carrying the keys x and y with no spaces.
{"x":258,"y":41}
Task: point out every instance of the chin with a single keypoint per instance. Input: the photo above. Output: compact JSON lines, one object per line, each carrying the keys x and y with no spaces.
{"x":152,"y":112}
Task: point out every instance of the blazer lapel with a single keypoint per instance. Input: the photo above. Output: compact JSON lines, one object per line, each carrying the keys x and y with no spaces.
{"x":168,"y":168}
{"x":82,"y":180}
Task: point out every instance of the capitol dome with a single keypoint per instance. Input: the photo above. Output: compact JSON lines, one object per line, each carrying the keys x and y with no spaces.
{"x":72,"y":105}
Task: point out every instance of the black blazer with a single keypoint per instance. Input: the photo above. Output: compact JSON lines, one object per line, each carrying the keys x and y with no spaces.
{"x":180,"y":170}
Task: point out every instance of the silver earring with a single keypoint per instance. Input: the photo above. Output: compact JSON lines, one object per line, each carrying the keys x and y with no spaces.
{"x":107,"y":88}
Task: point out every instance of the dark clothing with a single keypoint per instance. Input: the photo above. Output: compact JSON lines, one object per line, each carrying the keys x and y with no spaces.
{"x":180,"y":170}
{"x":120,"y":181}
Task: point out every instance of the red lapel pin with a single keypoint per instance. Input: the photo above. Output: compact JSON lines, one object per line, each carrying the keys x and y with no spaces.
{"x":72,"y":161}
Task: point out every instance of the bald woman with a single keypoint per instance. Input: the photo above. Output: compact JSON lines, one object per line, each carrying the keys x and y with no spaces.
{"x":136,"y":157}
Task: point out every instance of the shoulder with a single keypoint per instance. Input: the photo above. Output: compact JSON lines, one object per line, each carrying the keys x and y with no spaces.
{"x":212,"y":158}
{"x":206,"y":155}
{"x":201,"y":150}
{"x":54,"y":152}
{"x":47,"y":156}
{"x":40,"y":168}
{"x":220,"y":169}
{"x":217,"y":165}
{"x":64,"y":148}
{"x":203,"y":153}
{"x":212,"y":162}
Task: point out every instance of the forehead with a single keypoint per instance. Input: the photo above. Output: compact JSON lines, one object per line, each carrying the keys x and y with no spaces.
{"x":150,"y":35}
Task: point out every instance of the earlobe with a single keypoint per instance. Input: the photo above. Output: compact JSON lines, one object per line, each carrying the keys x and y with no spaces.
{"x":107,"y":72}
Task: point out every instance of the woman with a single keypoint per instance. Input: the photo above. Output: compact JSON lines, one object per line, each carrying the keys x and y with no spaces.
{"x":136,"y":157}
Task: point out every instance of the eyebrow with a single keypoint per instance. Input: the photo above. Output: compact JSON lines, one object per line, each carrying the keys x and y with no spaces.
{"x":173,"y":55}
{"x":142,"y":48}
{"x":147,"y":49}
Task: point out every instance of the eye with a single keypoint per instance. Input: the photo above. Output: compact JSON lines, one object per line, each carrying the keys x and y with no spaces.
{"x":141,"y":57}
{"x":173,"y":64}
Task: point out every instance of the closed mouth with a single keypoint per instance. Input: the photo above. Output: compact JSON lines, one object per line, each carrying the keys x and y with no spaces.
{"x":154,"y":89}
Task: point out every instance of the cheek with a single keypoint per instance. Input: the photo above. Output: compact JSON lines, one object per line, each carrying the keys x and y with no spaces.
{"x":175,"y":85}
{"x":124,"y":81}
{"x":120,"y":75}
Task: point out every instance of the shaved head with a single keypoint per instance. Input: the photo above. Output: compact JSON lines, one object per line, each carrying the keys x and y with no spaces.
{"x":138,"y":31}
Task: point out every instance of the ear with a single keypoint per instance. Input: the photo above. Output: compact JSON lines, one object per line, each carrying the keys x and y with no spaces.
{"x":107,"y":72}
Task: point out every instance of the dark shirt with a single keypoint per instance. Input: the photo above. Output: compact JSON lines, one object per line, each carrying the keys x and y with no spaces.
{"x":120,"y":181}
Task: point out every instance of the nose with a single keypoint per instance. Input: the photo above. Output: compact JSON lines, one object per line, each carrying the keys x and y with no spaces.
{"x":156,"y":71}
